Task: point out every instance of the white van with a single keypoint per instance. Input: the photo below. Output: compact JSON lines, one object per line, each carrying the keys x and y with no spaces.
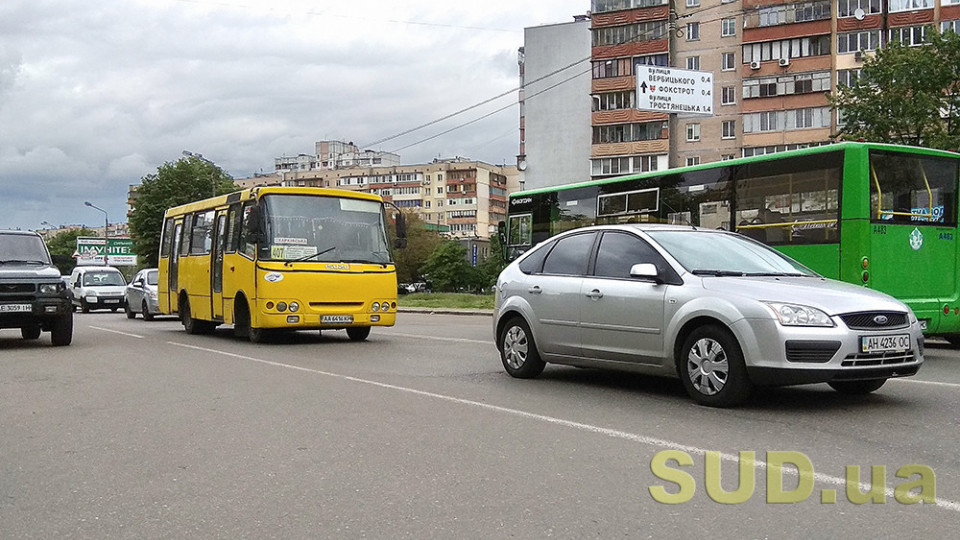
{"x":97,"y":287}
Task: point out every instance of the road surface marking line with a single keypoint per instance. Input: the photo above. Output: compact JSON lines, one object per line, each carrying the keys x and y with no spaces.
{"x":437,"y":338}
{"x":614,"y":433}
{"x":116,"y":332}
{"x":935,"y":383}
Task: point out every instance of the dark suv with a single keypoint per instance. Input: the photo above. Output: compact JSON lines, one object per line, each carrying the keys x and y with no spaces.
{"x":33,"y":297}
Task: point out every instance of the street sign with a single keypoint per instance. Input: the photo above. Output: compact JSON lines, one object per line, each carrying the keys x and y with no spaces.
{"x":671,"y":90}
{"x":90,"y":252}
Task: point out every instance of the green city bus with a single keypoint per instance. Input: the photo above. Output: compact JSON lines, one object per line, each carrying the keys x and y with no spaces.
{"x":880,"y":215}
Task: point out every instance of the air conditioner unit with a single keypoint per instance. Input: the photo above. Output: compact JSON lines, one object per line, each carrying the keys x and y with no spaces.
{"x":858,"y":56}
{"x":784,"y":62}
{"x":755,"y":64}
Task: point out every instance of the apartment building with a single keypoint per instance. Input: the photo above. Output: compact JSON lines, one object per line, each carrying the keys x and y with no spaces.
{"x":773,"y":62}
{"x":459,"y":197}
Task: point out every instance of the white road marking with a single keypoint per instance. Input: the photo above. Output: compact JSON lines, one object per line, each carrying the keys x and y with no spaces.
{"x":117,"y":332}
{"x":934,"y":383}
{"x":438,"y":338}
{"x":614,"y":433}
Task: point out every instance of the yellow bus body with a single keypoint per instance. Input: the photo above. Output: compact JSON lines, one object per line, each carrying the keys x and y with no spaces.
{"x":329,"y":294}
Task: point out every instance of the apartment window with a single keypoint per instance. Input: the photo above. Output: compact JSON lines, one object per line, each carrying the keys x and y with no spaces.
{"x":786,"y":48}
{"x":728,"y":95}
{"x":652,"y":60}
{"x":693,"y":62}
{"x":693,"y":160}
{"x":811,"y":117}
{"x":858,"y":41}
{"x":617,"y":35}
{"x":622,"y":165}
{"x":800,"y":83}
{"x":693,"y":132}
{"x":693,"y":31}
{"x":627,"y":132}
{"x":793,"y":13}
{"x":909,"y":35}
{"x":728,"y":61}
{"x":907,"y":5}
{"x":693,"y":3}
{"x":616,"y":67}
{"x":728,"y":27}
{"x":847,"y":77}
{"x":950,"y":25}
{"x":727,"y":157}
{"x":616,"y":101}
{"x":848,"y":8}
{"x":603,"y":6}
{"x":729,"y":129}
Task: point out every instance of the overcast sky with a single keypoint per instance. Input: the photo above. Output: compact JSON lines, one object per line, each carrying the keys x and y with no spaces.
{"x":94,"y":95}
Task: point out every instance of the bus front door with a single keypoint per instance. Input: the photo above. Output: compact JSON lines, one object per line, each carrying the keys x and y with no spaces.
{"x":216,"y":275}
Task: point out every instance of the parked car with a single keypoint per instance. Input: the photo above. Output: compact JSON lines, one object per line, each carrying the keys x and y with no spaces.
{"x":97,"y":287}
{"x":722,"y":312}
{"x":140,"y":296}
{"x":32,"y":296}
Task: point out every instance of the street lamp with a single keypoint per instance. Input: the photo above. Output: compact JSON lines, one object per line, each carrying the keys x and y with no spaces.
{"x":213,"y":181}
{"x":106,"y":224}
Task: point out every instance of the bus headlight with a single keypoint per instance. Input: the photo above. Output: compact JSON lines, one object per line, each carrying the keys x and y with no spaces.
{"x":281,"y":306}
{"x":384,"y":307}
{"x":375,"y":307}
{"x":294,"y":307}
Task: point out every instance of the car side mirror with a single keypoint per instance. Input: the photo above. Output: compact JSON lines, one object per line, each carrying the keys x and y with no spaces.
{"x":646,"y":271}
{"x":77,"y":283}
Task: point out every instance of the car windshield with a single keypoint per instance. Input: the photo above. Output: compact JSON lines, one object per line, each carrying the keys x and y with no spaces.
{"x":102,"y":279}
{"x":22,"y":248}
{"x":726,"y":254}
{"x":152,"y":277}
{"x":324,"y":229}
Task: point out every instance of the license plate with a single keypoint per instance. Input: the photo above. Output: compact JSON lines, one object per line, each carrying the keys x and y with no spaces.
{"x":109,"y":301}
{"x":15,"y":308}
{"x":881,"y":344}
{"x":336,"y":319}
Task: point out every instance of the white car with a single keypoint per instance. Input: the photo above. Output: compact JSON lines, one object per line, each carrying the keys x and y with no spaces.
{"x":97,"y":287}
{"x":140,"y":295}
{"x":722,"y":312}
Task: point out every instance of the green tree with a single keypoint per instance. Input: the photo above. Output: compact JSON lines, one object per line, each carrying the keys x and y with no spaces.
{"x":448,"y":270}
{"x":62,"y":246}
{"x":185,"y":180}
{"x":421,"y":241}
{"x":491,"y":266}
{"x":906,"y":95}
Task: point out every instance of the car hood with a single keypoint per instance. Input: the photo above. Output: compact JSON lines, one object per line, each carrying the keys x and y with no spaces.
{"x":833,"y":297}
{"x":22,"y":271}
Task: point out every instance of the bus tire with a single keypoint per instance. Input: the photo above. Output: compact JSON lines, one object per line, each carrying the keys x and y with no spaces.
{"x":191,"y":325}
{"x":257,"y":335}
{"x":358,"y":333}
{"x":241,"y":323}
{"x":953,"y":340}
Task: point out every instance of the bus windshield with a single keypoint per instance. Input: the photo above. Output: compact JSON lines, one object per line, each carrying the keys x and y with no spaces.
{"x":324,"y":229}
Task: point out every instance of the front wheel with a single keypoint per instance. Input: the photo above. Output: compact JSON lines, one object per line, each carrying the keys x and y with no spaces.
{"x":145,"y":310}
{"x":61,"y":331}
{"x":518,"y":352}
{"x":358,"y":333}
{"x":30,"y":332}
{"x":712,"y":369}
{"x":857,"y":387}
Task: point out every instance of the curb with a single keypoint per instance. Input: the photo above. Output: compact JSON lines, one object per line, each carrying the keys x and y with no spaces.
{"x":445,"y":311}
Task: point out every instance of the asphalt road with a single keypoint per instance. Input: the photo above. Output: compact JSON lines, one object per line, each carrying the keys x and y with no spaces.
{"x":139,"y":430}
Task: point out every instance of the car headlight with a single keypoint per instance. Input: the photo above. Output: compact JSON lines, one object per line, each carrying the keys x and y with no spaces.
{"x":797,"y":315}
{"x":49,"y":288}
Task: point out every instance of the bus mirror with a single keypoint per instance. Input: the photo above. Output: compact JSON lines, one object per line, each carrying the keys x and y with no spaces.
{"x":253,"y":224}
{"x":502,"y":232}
{"x":401,"y":227}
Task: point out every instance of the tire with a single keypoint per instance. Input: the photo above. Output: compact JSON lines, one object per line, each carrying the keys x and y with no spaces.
{"x":129,"y":312}
{"x":257,"y":335}
{"x":241,"y":324}
{"x":145,"y":311}
{"x":30,"y":332}
{"x":84,"y":307}
{"x":191,"y":325}
{"x":358,"y":333}
{"x":518,"y":351}
{"x":711,"y":367}
{"x":857,"y":388}
{"x":61,"y":331}
{"x":953,"y":340}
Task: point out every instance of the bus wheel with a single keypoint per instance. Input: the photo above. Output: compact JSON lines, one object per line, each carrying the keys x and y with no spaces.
{"x":358,"y":333}
{"x":953,"y":340}
{"x":191,"y":325}
{"x":256,"y":335}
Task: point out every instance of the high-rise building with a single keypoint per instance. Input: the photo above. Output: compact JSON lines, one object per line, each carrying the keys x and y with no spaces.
{"x":773,"y":62}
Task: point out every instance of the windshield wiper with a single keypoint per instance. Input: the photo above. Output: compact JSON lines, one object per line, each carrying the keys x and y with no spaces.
{"x":21,"y":261}
{"x":717,"y":273}
{"x":777,"y":274}
{"x":317,"y":254}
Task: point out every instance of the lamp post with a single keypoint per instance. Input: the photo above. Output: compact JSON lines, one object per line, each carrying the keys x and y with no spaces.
{"x":213,"y":181}
{"x":106,"y":224}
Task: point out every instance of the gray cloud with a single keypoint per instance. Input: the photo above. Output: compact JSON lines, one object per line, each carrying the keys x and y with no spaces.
{"x":93,"y":96}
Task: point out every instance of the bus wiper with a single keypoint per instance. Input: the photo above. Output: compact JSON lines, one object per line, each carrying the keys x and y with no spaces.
{"x":317,"y":254}
{"x":717,"y":273}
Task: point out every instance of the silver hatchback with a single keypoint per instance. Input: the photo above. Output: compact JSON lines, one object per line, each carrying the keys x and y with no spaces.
{"x":721,"y":311}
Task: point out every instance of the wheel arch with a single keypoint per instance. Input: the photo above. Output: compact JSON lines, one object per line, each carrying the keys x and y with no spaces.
{"x":689,"y":326}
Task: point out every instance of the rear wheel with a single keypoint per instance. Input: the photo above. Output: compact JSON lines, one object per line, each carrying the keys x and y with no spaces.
{"x":712,"y":369}
{"x":30,"y":332}
{"x":518,"y":352}
{"x":191,"y":325}
{"x":61,"y":331}
{"x":857,"y":387}
{"x":358,"y":333}
{"x":953,"y":340}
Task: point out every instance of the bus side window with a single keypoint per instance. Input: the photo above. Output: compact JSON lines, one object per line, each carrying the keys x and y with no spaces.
{"x":247,"y":231}
{"x":185,"y":235}
{"x":167,"y":239}
{"x":233,"y":229}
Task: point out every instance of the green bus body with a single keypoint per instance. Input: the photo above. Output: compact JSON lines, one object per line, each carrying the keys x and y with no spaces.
{"x":879,"y":215}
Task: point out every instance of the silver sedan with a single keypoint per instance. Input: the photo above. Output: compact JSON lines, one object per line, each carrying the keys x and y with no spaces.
{"x":719,"y":310}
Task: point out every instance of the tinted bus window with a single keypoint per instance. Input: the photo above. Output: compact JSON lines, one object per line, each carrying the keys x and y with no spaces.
{"x":167,"y":239}
{"x":906,"y":188}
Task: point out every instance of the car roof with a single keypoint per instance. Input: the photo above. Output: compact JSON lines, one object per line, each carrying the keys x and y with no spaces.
{"x":17,"y":231}
{"x":648,"y":227}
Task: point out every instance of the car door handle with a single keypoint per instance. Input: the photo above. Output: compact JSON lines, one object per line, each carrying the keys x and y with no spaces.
{"x":534,"y":290}
{"x":595,"y":294}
